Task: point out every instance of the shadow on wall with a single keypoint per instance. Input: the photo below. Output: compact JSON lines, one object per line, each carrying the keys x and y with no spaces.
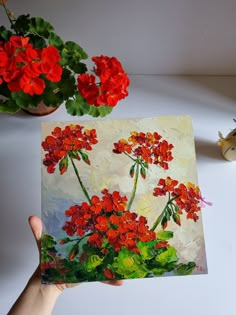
{"x":208,"y":150}
{"x":207,"y":92}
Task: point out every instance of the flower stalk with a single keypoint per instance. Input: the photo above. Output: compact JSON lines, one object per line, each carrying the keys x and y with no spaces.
{"x":80,"y":181}
{"x":134,"y":187}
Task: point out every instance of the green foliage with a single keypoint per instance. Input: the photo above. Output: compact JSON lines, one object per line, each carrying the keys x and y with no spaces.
{"x":147,"y":250}
{"x":101,"y":111}
{"x":24,"y":100}
{"x":4,"y":34}
{"x":39,"y":26}
{"x":8,"y":106}
{"x":129,"y":265}
{"x":92,"y":262}
{"x":185,"y":269}
{"x":55,"y":40}
{"x":167,"y":257}
{"x":77,"y":106}
{"x":22,"y":24}
{"x":164,"y":235}
{"x":48,"y":250}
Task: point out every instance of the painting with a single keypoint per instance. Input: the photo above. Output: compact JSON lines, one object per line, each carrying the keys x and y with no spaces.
{"x":120,"y":200}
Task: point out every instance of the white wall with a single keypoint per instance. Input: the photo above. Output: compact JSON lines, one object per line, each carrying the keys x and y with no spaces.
{"x":149,"y":36}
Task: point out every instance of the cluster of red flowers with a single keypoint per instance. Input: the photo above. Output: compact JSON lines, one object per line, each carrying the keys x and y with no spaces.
{"x":107,"y":220}
{"x":23,"y":67}
{"x":69,"y":141}
{"x":112,"y":86}
{"x":188,"y":197}
{"x":147,"y":146}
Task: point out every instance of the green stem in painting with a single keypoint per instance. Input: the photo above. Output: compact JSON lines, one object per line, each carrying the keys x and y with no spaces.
{"x":159,"y":219}
{"x":80,"y":181}
{"x":135,"y":186}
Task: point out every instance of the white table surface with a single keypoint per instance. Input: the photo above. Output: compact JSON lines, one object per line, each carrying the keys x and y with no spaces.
{"x":211,"y":101}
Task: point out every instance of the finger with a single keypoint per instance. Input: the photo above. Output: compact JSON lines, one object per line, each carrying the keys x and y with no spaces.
{"x":37,"y":228}
{"x":117,"y":283}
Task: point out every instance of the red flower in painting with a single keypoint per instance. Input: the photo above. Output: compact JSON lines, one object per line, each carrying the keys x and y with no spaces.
{"x":112,"y":86}
{"x":68,"y":142}
{"x":184,"y":197}
{"x":107,"y":219}
{"x":147,"y":147}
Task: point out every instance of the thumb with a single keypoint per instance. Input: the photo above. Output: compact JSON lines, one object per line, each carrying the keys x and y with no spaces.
{"x":36,"y":227}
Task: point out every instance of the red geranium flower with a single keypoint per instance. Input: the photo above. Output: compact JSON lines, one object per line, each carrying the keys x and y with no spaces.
{"x":146,"y":146}
{"x":69,"y":142}
{"x":112,"y":86}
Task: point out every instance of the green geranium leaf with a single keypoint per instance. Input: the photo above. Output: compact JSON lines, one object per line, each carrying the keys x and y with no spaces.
{"x":67,"y":87}
{"x":164,"y":235}
{"x":147,"y":250}
{"x":129,"y":265}
{"x":37,"y":41}
{"x":52,"y":95}
{"x":48,"y":241}
{"x":185,"y":269}
{"x":159,"y":271}
{"x":77,"y":106}
{"x":55,"y":40}
{"x":92,"y":262}
{"x":100,"y":111}
{"x":4,"y":34}
{"x":4,"y":91}
{"x":75,"y":50}
{"x":167,"y":257}
{"x":40,"y":26}
{"x":8,"y":106}
{"x":24,"y":100}
{"x":22,"y":24}
{"x":78,"y":67}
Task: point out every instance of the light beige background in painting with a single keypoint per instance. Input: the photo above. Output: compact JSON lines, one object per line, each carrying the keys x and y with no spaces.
{"x":109,"y":170}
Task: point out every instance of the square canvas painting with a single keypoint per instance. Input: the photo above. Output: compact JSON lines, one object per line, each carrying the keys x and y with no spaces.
{"x":120,"y":200}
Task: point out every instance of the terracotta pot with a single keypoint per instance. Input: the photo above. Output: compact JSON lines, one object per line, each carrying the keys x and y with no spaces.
{"x":40,"y":110}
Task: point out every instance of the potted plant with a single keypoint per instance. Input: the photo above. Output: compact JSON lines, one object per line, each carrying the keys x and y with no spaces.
{"x":39,"y":71}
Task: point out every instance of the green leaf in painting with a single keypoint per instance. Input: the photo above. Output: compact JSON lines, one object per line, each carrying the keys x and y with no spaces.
{"x":92,"y":262}
{"x":129,"y":265}
{"x":185,"y":269}
{"x":164,"y":235}
{"x":169,"y":256}
{"x":147,"y":250}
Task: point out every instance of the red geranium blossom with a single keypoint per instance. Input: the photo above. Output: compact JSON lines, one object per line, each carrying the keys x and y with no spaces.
{"x":22,"y":65}
{"x":147,"y":146}
{"x":185,"y":197}
{"x":70,"y":141}
{"x":112,"y":86}
{"x":107,"y":219}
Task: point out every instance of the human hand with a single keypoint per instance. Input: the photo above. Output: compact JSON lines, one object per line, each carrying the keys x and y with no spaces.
{"x":37,"y":228}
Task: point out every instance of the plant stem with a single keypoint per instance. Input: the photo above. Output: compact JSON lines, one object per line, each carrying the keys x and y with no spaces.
{"x":9,"y":17}
{"x":80,"y":181}
{"x":134,"y":187}
{"x":158,"y":220}
{"x":130,"y":157}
